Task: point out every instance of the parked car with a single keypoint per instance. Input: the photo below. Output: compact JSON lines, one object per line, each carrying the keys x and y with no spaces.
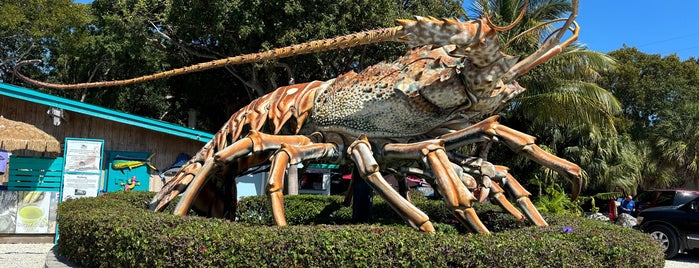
{"x":664,"y":197}
{"x":675,"y":227}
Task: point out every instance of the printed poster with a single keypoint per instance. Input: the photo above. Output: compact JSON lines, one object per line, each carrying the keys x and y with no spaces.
{"x":8,"y":211}
{"x":80,"y":185}
{"x":83,"y":168}
{"x":33,"y":209}
{"x":83,"y":156}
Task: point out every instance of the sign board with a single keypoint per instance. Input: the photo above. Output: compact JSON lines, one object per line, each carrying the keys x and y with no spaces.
{"x":80,"y":185}
{"x":23,"y":212}
{"x":83,"y":168}
{"x":83,"y":156}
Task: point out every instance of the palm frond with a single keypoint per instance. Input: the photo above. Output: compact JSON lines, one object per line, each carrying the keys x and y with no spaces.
{"x":578,"y":103}
{"x":548,"y":9}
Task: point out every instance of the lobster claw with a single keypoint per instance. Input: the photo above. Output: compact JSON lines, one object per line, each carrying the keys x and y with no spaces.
{"x":484,"y":189}
{"x":483,"y":193}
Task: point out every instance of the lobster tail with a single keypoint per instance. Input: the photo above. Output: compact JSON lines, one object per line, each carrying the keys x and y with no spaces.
{"x":272,"y":111}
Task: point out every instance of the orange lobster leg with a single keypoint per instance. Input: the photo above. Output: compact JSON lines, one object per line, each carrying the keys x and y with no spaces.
{"x":522,"y":144}
{"x":476,"y":167}
{"x":193,"y":189}
{"x":522,"y":198}
{"x":500,"y":174}
{"x":289,"y":154}
{"x":175,"y":186}
{"x":361,"y":154}
{"x":500,"y":199}
{"x":255,"y":143}
{"x":457,"y":197}
{"x":275,"y":185}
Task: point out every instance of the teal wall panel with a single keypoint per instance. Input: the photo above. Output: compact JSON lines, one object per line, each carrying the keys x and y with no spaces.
{"x":35,"y":174}
{"x":118,"y":179}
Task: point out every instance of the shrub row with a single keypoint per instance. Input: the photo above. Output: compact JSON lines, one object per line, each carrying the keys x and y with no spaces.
{"x":315,"y":210}
{"x":117,"y":230}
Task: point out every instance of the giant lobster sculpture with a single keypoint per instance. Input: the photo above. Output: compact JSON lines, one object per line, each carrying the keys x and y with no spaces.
{"x":407,"y":116}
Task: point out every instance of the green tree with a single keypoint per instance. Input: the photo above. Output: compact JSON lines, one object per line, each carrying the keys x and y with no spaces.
{"x":659,"y":97}
{"x":34,"y":29}
{"x":678,"y":143}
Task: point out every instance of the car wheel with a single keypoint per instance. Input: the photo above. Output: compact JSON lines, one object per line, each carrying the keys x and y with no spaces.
{"x":667,"y":239}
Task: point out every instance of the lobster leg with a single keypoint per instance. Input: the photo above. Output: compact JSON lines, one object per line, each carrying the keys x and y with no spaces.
{"x":457,"y":197}
{"x":402,"y":182}
{"x":498,"y":196}
{"x":493,"y":190}
{"x":175,"y":186}
{"x":522,"y":197}
{"x":522,"y":144}
{"x":255,"y":143}
{"x":496,"y":192}
{"x":361,"y":154}
{"x":501,"y":176}
{"x":281,"y":160}
{"x":477,"y":167}
{"x":465,"y":167}
{"x":199,"y":180}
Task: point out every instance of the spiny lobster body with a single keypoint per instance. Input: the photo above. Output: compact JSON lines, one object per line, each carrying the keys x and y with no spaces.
{"x":419,"y":94}
{"x":408,"y":98}
{"x":410,"y":115}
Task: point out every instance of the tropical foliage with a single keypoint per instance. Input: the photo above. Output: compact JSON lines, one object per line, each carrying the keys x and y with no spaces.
{"x":659,"y":96}
{"x":36,"y":29}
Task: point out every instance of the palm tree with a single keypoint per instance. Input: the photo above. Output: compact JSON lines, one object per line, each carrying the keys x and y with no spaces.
{"x":679,"y":141}
{"x":572,"y":115}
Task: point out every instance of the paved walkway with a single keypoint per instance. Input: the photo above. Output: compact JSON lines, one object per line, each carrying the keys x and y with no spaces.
{"x":30,"y":256}
{"x":24,"y":255}
{"x":42,"y":255}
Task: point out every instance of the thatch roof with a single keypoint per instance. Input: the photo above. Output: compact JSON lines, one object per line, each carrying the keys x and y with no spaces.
{"x":16,"y":135}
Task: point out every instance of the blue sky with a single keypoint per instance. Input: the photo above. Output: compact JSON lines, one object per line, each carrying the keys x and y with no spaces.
{"x":654,"y":27}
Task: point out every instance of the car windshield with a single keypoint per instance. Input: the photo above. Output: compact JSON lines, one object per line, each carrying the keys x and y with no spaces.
{"x":684,"y":198}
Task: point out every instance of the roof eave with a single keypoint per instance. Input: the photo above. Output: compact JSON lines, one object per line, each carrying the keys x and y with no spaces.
{"x":100,"y":112}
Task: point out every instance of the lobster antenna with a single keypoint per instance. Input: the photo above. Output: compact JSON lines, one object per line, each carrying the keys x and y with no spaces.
{"x":548,"y":49}
{"x":532,"y":29}
{"x":345,"y":41}
{"x":508,"y":27}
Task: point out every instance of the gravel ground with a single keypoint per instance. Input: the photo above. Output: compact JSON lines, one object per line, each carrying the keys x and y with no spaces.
{"x":24,"y":255}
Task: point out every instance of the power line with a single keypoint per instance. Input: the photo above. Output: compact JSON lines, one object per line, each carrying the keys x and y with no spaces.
{"x":669,"y":39}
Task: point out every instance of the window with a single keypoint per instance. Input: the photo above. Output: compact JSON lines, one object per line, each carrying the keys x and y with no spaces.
{"x":665,"y":199}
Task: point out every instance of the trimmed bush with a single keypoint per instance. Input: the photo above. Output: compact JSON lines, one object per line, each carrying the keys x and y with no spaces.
{"x":314,"y":210}
{"x":117,"y":230}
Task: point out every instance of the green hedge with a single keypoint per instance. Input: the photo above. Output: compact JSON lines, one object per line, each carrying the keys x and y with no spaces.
{"x":314,"y":210}
{"x":117,"y":230}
